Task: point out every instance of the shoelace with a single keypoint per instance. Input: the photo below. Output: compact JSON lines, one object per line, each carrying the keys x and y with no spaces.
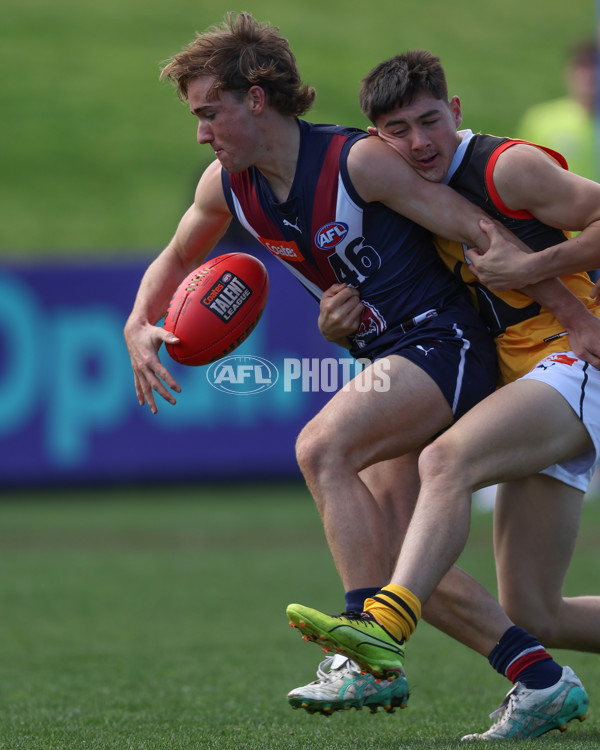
{"x":322,"y":674}
{"x":367,"y":619}
{"x":362,"y":616}
{"x":502,"y":708}
{"x":326,"y":665}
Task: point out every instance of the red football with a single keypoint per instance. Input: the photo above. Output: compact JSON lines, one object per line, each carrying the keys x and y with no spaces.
{"x":216,"y":308}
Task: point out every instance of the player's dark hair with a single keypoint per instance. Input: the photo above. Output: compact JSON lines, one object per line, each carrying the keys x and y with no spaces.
{"x":397,"y":81}
{"x":240,"y":53}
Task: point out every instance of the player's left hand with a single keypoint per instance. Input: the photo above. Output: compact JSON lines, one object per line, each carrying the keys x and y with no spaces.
{"x":340,"y":311}
{"x":503,"y":265}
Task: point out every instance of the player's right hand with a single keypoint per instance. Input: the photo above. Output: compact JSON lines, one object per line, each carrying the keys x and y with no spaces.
{"x":143,"y":342}
{"x":584,"y":338}
{"x":340,"y":312}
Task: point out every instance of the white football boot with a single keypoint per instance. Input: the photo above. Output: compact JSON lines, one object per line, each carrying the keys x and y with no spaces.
{"x":529,"y":713}
{"x":341,"y":685}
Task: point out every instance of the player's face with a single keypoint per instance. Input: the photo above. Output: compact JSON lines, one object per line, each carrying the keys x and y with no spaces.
{"x":424,"y":133}
{"x":225,"y":123}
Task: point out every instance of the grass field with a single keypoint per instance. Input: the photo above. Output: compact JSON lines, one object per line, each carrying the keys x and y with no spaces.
{"x":154,"y":619}
{"x":100,"y":156}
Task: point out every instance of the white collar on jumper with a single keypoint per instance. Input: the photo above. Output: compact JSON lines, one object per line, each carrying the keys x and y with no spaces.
{"x":458,"y":156}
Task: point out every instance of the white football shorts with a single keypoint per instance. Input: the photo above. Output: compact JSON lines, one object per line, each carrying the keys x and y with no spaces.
{"x":579,"y":383}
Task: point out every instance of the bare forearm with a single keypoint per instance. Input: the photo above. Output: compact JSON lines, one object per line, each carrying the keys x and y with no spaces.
{"x":554,"y":295}
{"x":379,"y":174}
{"x":562,"y":303}
{"x":161,"y":279}
{"x":193,"y":241}
{"x":453,"y":216}
{"x":581,"y":253}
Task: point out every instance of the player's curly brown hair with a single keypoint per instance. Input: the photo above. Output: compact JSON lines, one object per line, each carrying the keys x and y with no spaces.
{"x":240,"y":53}
{"x":397,"y":81}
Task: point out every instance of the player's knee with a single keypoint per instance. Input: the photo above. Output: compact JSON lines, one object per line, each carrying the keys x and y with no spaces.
{"x":312,"y":451}
{"x":440,"y":459}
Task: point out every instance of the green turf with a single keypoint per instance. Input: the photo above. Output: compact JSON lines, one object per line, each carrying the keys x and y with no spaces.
{"x":154,"y":618}
{"x":99,"y":157}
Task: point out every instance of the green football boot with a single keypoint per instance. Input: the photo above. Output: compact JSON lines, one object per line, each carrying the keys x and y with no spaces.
{"x":357,"y":635}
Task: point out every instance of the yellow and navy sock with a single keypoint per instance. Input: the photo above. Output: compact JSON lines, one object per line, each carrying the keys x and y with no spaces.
{"x":397,"y":609}
{"x":522,"y":658}
{"x":355,"y":598}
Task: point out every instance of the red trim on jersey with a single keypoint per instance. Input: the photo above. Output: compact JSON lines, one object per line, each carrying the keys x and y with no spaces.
{"x":326,"y":190}
{"x":521,"y":663}
{"x":242,"y":185}
{"x":324,"y":207}
{"x":270,"y":236}
{"x":489,"y":171}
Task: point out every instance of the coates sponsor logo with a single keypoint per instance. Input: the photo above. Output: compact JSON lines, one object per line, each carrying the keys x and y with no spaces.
{"x":331,"y":234}
{"x":283,"y":249}
{"x":242,"y":375}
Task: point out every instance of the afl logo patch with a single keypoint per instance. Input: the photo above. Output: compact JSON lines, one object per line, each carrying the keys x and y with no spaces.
{"x":331,"y":234}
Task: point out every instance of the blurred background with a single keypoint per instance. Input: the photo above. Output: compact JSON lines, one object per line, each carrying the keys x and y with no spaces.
{"x":99,"y":161}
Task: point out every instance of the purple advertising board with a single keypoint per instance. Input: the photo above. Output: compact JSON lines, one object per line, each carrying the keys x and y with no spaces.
{"x":68,"y":408}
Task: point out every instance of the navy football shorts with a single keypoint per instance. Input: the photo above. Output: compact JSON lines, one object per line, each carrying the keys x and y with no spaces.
{"x":455,"y":349}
